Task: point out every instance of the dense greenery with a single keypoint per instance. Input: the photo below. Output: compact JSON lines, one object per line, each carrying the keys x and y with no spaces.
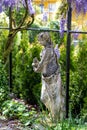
{"x":4,"y":88}
{"x":26,"y":84}
{"x":79,"y":79}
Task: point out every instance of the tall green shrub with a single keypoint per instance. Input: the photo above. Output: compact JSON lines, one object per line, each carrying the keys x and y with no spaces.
{"x":33,"y":34}
{"x":26,"y":83}
{"x":78,"y":82}
{"x":3,"y":33}
{"x":82,"y":70}
{"x":55,"y":36}
{"x":4,"y":87}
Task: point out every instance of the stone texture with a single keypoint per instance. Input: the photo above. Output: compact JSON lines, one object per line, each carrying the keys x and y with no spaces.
{"x":52,"y":93}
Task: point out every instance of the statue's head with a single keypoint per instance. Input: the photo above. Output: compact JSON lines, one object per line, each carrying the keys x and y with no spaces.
{"x":44,"y":38}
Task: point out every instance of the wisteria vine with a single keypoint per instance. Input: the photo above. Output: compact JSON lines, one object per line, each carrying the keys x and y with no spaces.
{"x":4,"y":4}
{"x":25,"y":22}
{"x":79,"y":5}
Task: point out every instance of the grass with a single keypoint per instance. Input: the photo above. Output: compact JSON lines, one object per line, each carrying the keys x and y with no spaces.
{"x":67,"y":124}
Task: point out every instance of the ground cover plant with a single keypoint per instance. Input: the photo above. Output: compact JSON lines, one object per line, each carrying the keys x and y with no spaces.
{"x":36,"y":120}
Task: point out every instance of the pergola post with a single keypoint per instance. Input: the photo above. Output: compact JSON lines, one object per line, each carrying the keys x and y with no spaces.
{"x":69,"y":15}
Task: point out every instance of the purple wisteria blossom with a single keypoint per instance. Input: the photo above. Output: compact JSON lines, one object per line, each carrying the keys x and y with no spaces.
{"x":0,"y":8}
{"x":75,"y":36}
{"x":56,"y":50}
{"x":62,"y":26}
{"x":30,"y":7}
{"x":8,"y":3}
{"x":80,"y":5}
{"x":15,"y":3}
{"x":44,"y":16}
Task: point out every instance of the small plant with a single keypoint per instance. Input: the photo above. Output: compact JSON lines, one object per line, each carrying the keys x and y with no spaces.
{"x":28,"y":118}
{"x":13,"y":109}
{"x":26,"y":83}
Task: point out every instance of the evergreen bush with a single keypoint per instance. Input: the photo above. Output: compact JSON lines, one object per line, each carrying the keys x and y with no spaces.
{"x":4,"y":87}
{"x":25,"y":79}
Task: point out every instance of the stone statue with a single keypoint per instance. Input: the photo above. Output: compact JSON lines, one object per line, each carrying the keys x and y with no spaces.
{"x":52,"y":93}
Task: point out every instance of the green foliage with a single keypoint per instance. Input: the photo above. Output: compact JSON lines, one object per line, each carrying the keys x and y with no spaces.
{"x":3,"y":33}
{"x":78,"y":82}
{"x":13,"y":109}
{"x":29,"y":118}
{"x":55,"y":35}
{"x":78,"y":76}
{"x":33,"y":34}
{"x":37,"y":9}
{"x":62,"y":9}
{"x":18,"y":15}
{"x":82,"y":71}
{"x":16,"y":109}
{"x":62,"y":61}
{"x":26,"y":83}
{"x":70,"y":124}
{"x":3,"y":20}
{"x":4,"y":89}
{"x":84,"y":109}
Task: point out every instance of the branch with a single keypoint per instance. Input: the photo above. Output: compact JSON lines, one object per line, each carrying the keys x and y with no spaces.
{"x":26,"y":26}
{"x":25,"y":16}
{"x":13,"y":31}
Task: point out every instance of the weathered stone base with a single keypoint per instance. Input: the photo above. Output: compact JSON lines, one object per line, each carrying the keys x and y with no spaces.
{"x":53,"y":95}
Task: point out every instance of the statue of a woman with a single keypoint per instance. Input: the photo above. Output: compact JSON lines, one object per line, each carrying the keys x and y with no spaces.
{"x":52,"y":93}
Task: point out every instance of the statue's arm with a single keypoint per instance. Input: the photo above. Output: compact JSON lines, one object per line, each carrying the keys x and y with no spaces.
{"x":45,"y":57}
{"x":38,"y":66}
{"x":35,"y":64}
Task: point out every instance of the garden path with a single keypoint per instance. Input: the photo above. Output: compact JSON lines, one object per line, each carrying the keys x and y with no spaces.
{"x":16,"y":125}
{"x":12,"y":125}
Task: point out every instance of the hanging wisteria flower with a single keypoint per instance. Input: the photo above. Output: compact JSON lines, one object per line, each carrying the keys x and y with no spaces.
{"x":80,"y":5}
{"x":62,"y":26}
{"x":75,"y":36}
{"x":15,"y":3}
{"x":56,"y":50}
{"x":44,"y":16}
{"x":9,"y":3}
{"x":0,"y":8}
{"x":30,"y":7}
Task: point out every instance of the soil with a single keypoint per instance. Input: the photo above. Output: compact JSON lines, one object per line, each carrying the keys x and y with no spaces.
{"x":10,"y":125}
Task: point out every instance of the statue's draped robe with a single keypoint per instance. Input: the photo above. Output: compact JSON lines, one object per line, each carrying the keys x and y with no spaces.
{"x":52,"y":92}
{"x":52,"y":95}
